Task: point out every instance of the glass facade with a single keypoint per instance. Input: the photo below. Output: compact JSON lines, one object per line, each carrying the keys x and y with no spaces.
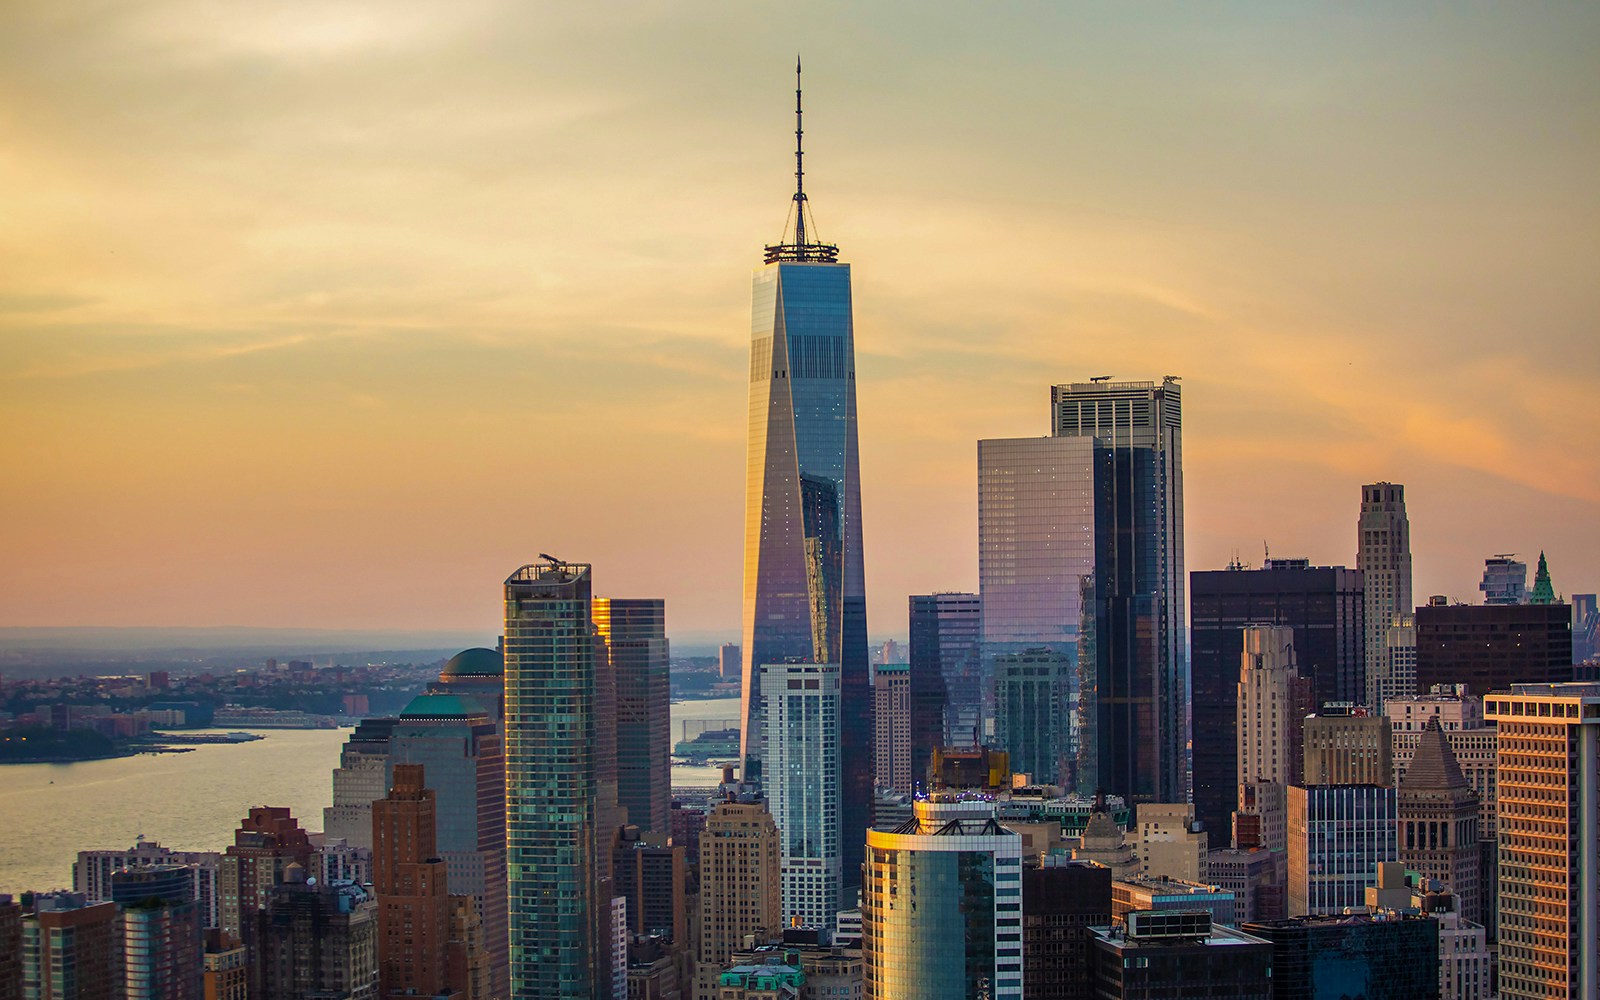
{"x":942,"y":907}
{"x":947,"y":675}
{"x":1080,"y":550}
{"x":1338,"y":834}
{"x":161,"y":934}
{"x":634,"y":631}
{"x":804,"y":586}
{"x":800,"y":716}
{"x":557,"y":947}
{"x":1032,"y":714}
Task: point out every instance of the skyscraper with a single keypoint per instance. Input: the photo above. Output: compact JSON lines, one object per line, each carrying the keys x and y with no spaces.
{"x":1505,"y":580}
{"x":1338,"y":835}
{"x":739,"y":886}
{"x":412,"y":885}
{"x":1348,"y":746}
{"x":361,"y":779}
{"x":1489,"y":647}
{"x":804,"y":584}
{"x":1549,"y":763}
{"x":70,"y":949}
{"x":459,"y":744}
{"x":1324,"y":607}
{"x":1031,"y":714}
{"x":800,"y":713}
{"x":945,"y":629}
{"x":941,"y":912}
{"x":891,"y":723}
{"x":1134,"y":688}
{"x":635,"y":633}
{"x":1383,"y":554}
{"x":557,"y":945}
{"x":1439,"y":821}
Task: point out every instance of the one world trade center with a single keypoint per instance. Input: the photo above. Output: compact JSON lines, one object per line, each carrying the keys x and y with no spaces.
{"x":804,"y":588}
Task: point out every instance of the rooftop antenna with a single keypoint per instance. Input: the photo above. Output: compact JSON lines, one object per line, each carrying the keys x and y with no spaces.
{"x":802,"y":249}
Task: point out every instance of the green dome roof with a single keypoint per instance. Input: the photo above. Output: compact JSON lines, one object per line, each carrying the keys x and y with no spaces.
{"x":441,"y":706}
{"x":475,"y":662}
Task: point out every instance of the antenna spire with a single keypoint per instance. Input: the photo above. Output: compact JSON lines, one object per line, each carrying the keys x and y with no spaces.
{"x":802,"y":249}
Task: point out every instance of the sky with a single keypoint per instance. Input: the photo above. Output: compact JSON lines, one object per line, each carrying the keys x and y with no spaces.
{"x":332,"y":314}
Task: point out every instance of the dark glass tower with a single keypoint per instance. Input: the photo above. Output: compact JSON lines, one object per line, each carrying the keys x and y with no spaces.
{"x":1323,"y":604}
{"x":635,"y":634}
{"x":804,"y":588}
{"x":946,"y":679}
{"x":556,"y":913}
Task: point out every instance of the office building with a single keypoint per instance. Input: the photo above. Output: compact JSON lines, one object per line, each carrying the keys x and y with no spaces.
{"x":970,"y":768}
{"x":739,"y":886}
{"x":478,"y":674}
{"x":412,"y":885}
{"x":1544,"y":591}
{"x":945,"y":634}
{"x":1132,"y":665}
{"x":635,"y":634}
{"x":801,"y":705}
{"x":317,"y":941}
{"x":1490,"y":647}
{"x":1383,"y":554}
{"x":1270,"y":697}
{"x":70,"y":949}
{"x":891,"y":723}
{"x":729,"y":662}
{"x":941,"y":911}
{"x":91,"y":873}
{"x":1585,"y":628}
{"x":1104,"y":843}
{"x":1439,"y":821}
{"x":804,"y":581}
{"x":1505,"y":580}
{"x":1347,"y":745}
{"x":1321,"y":605}
{"x":1399,"y":678}
{"x":1338,"y":835}
{"x":1388,"y":956}
{"x":1464,"y":959}
{"x":558,"y":920}
{"x":1251,"y":874}
{"x":1472,"y":743}
{"x":1171,"y":843}
{"x":1549,"y":898}
{"x":1032,"y":713}
{"x":1130,"y":894}
{"x":459,"y":745}
{"x":652,"y":877}
{"x":1061,"y":900}
{"x":162,"y":940}
{"x":1160,"y":953}
{"x":361,"y":778}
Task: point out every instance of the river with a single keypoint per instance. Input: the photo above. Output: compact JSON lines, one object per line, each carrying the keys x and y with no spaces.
{"x":191,"y":801}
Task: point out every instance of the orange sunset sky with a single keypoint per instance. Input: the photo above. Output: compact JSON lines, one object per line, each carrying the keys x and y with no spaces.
{"x":331,"y":314}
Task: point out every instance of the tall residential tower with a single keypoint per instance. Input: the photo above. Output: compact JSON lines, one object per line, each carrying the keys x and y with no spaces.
{"x":804,"y":586}
{"x":1383,"y":554}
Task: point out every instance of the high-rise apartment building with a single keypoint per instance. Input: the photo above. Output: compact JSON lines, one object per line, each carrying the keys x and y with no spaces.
{"x":268,"y":847}
{"x":1347,"y":745}
{"x":945,"y":632}
{"x":317,"y":940}
{"x":1489,"y":647}
{"x":162,"y":940}
{"x":728,"y":662}
{"x":652,"y":877}
{"x":558,"y":920}
{"x":1549,"y":872}
{"x":1323,"y":605}
{"x":739,"y":886}
{"x":1032,"y":715}
{"x":1338,"y":835}
{"x":801,"y":705}
{"x":804,"y":581}
{"x":91,"y":873}
{"x":635,"y":633}
{"x":1505,"y":580}
{"x":1439,"y":821}
{"x":71,"y":949}
{"x":10,"y":948}
{"x":891,"y":723}
{"x":458,"y":744}
{"x":1383,"y":554}
{"x":941,"y":910}
{"x":412,"y":885}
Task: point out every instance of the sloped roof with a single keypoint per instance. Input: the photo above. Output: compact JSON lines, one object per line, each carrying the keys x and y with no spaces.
{"x":1434,"y":767}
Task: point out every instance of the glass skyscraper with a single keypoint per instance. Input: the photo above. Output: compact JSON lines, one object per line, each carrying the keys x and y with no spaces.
{"x":1080,"y":551}
{"x":556,"y":913}
{"x":634,"y":631}
{"x":804,"y":587}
